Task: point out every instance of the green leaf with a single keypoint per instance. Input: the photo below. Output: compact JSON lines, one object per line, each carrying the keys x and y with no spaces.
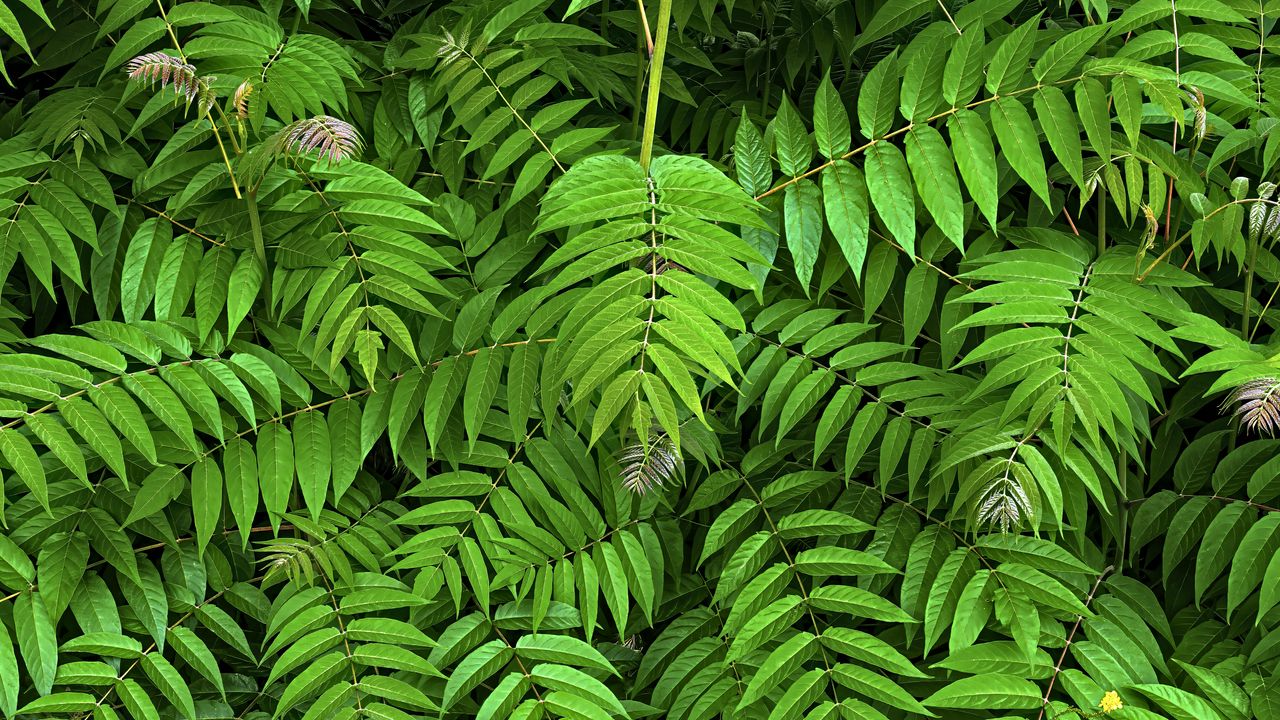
{"x":1035,"y":552}
{"x":1009,"y":61}
{"x":1219,"y":543}
{"x":206,"y":500}
{"x":60,"y":566}
{"x":82,"y":349}
{"x":481,"y":389}
{"x":839,"y":561}
{"x":141,"y":267}
{"x":1177,"y":702}
{"x":935,"y":175}
{"x":803,"y":210}
{"x":751,"y":157}
{"x":136,"y":700}
{"x":1126,"y":101}
{"x":988,"y":691}
{"x":576,"y":682}
{"x":241,"y":465}
{"x":9,"y":680}
{"x":146,"y":597}
{"x":1062,"y":56}
{"x":22,"y":458}
{"x":857,"y":602}
{"x":830,"y":121}
{"x":778,"y":666}
{"x":61,"y":702}
{"x":275,"y":469}
{"x":889,"y":182}
{"x":1041,"y":588}
{"x":877,"y":687}
{"x":1261,"y":541}
{"x":197,"y":654}
{"x":1020,"y":144}
{"x":164,"y":404}
{"x":211,"y":288}
{"x":727,"y":525}
{"x":60,"y":443}
{"x":563,"y":650}
{"x":795,"y":150}
{"x":312,"y":459}
{"x":868,"y":649}
{"x":160,"y":488}
{"x":848,"y":211}
{"x":125,"y":415}
{"x":36,"y":639}
{"x":317,"y":675}
{"x":963,"y":76}
{"x":764,"y":626}
{"x":105,"y":644}
{"x":109,"y":540}
{"x":1095,"y":117}
{"x":890,"y":18}
{"x":505,"y":696}
{"x":474,"y":669}
{"x":242,"y":290}
{"x":1060,"y":128}
{"x":344,"y":443}
{"x":878,"y":98}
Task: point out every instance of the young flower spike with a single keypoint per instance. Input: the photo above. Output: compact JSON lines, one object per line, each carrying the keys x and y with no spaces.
{"x":1257,"y":405}
{"x":167,"y":70}
{"x":647,"y":466}
{"x":336,"y":140}
{"x":241,"y":99}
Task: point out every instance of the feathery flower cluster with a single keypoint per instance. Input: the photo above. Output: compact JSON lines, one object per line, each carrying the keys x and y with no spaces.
{"x":241,"y":99}
{"x":336,"y":140}
{"x":165,"y":69}
{"x":647,"y":466}
{"x":1004,"y":503}
{"x":1257,"y":405}
{"x":168,"y":70}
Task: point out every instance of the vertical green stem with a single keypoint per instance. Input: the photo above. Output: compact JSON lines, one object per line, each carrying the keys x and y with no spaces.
{"x":767,"y":84}
{"x":182,"y":55}
{"x":604,"y":19}
{"x":638,"y":105}
{"x":226,"y":160}
{"x":1248,"y":287}
{"x":655,"y":84}
{"x":259,"y":245}
{"x":1102,"y":219}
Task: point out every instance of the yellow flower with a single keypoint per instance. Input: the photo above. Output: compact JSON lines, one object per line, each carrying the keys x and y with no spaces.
{"x":1111,"y":702}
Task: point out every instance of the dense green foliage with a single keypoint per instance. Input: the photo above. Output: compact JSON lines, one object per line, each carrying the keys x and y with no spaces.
{"x":756,"y":359}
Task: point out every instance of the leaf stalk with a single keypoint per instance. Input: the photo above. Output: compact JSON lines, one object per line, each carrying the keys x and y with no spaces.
{"x":655,"y":84}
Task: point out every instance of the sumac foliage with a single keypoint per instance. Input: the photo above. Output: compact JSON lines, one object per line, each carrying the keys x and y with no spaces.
{"x":754,"y":359}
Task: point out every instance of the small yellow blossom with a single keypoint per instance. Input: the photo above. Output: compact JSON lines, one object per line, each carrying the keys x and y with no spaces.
{"x":1111,"y":702}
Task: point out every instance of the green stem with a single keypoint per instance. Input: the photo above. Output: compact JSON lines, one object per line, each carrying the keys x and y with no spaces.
{"x":259,"y":245}
{"x":235,"y":186}
{"x":641,"y":69}
{"x":1182,"y":238}
{"x":1102,"y":219}
{"x":1248,"y":287}
{"x":182,"y":55}
{"x":768,"y":67}
{"x":231,"y":132}
{"x":655,"y":84}
{"x":1263,"y":312}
